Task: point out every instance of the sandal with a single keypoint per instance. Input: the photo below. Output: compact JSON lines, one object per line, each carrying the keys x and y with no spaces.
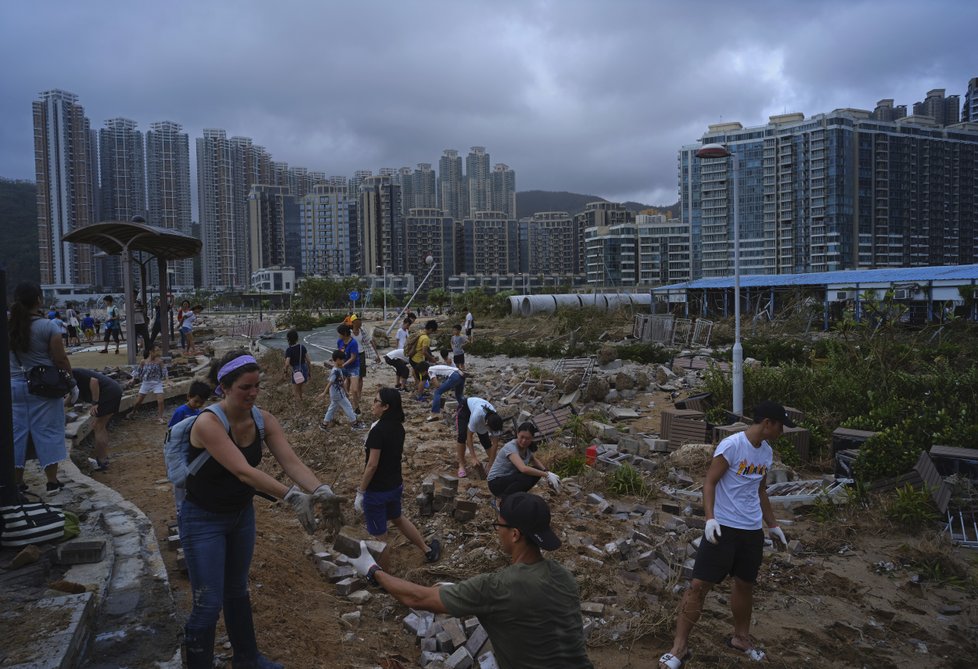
{"x":461,"y":473}
{"x":673,"y":662}
{"x":753,"y":653}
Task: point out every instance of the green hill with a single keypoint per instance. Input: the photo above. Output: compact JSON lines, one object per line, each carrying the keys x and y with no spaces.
{"x":18,"y":229}
{"x":530,"y":202}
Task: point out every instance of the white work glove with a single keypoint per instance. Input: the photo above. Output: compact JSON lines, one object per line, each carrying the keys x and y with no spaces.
{"x":303,"y":505}
{"x":73,"y":395}
{"x":365,"y":563}
{"x":712,"y":531}
{"x":553,"y":481}
{"x":358,"y":502}
{"x":776,"y":533}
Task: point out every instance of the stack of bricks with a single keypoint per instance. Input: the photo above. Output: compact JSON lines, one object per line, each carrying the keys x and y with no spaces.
{"x":441,"y":494}
{"x":335,"y":568}
{"x":450,"y":643}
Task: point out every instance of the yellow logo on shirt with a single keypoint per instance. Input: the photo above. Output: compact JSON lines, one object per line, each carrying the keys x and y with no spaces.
{"x":747,"y":469}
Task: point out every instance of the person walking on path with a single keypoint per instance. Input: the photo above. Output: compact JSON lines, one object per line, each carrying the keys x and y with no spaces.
{"x":367,"y":347}
{"x":459,"y":342}
{"x":152,"y":372}
{"x":187,"y":328}
{"x":381,"y":486}
{"x":217,"y":517}
{"x":477,"y":417}
{"x":454,"y":380}
{"x":297,"y":363}
{"x":112,"y":325}
{"x":531,"y":609}
{"x":735,"y":503}
{"x":105,"y":395}
{"x":516,"y":468}
{"x":336,"y":392}
{"x":421,"y":358}
{"x":140,"y":327}
{"x":35,"y":340}
{"x":351,"y":363}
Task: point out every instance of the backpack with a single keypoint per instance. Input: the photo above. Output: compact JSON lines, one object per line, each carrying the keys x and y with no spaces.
{"x":176,"y":447}
{"x":411,"y":346}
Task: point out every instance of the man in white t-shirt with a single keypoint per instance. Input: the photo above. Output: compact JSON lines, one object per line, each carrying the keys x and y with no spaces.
{"x":469,"y":323}
{"x":735,"y":503}
{"x":402,"y":332}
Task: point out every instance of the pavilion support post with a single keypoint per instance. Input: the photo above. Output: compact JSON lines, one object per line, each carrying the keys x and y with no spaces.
{"x":164,"y":306}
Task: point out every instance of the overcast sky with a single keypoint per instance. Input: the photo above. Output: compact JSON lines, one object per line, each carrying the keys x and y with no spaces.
{"x":593,"y":97}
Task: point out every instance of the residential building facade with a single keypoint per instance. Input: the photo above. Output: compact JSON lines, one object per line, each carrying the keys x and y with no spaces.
{"x":67,"y":176}
{"x":168,"y":189}
{"x":273,"y":218}
{"x":490,"y":244}
{"x":431,"y":233}
{"x":549,"y":244}
{"x":382,"y":225}
{"x":502,"y":190}
{"x":452,"y":192}
{"x":330,"y":240}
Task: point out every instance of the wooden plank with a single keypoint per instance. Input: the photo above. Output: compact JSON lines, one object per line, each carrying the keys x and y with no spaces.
{"x":668,"y":415}
{"x":940,"y":493}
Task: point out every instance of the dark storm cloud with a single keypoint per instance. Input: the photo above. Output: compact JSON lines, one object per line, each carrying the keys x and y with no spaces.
{"x":592,"y":97}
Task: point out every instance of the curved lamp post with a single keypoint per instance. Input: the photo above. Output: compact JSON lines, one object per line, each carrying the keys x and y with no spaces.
{"x":721,"y":151}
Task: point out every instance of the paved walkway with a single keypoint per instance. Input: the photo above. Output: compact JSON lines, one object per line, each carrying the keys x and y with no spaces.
{"x":114,"y":613}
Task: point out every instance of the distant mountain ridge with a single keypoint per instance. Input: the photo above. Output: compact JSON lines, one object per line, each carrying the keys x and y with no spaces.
{"x":530,"y":202}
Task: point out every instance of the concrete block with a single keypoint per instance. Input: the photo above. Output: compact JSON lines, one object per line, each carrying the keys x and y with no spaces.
{"x":359,"y":597}
{"x":460,"y":659}
{"x":450,"y":482}
{"x":470,"y":624}
{"x":173,"y":542}
{"x":687,"y":570}
{"x":181,"y":561}
{"x":463,"y":516}
{"x":428,"y":486}
{"x":629,"y":444}
{"x":623,"y":413}
{"x":466,"y":505}
{"x":425,"y":505}
{"x":488,"y":661}
{"x":429,"y":643}
{"x":346,"y":543}
{"x":81,"y":552}
{"x":454,"y":629}
{"x":444,"y":640}
{"x":644,"y":538}
{"x":592,"y":609}
{"x":658,"y":445}
{"x":478,"y":637}
{"x":346,"y":586}
{"x":603,"y":431}
{"x":443,"y":502}
{"x":594,"y":499}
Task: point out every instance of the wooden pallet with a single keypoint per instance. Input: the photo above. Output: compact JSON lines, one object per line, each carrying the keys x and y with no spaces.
{"x":549,"y":423}
{"x":688,"y":431}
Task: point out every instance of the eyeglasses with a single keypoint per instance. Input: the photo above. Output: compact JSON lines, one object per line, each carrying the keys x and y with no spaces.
{"x":504,"y":525}
{"x":377,"y":400}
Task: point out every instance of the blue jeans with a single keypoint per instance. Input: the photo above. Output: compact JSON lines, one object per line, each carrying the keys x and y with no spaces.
{"x":457,"y":382}
{"x":218,"y":548}
{"x":40,"y":418}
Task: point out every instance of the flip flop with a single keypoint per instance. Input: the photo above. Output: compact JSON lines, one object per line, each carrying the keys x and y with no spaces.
{"x":674,"y":662}
{"x":754,"y":654}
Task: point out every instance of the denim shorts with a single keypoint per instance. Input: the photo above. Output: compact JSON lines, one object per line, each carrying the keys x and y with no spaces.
{"x":351,"y":372}
{"x":380,"y":507}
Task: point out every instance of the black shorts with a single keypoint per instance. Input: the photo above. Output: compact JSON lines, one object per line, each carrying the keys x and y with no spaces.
{"x":459,"y":359}
{"x":363,"y":366}
{"x":420,"y":368}
{"x":737,"y":553}
{"x":462,"y":427}
{"x":400,"y":367}
{"x":109,"y":400}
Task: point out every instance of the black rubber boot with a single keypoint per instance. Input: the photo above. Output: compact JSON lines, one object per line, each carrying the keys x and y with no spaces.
{"x":198,"y":646}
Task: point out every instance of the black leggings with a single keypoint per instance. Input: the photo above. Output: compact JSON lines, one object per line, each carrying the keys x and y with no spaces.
{"x":504,"y":486}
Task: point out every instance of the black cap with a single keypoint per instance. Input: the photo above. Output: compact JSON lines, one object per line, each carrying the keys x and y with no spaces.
{"x":772,"y":411}
{"x":531,"y":516}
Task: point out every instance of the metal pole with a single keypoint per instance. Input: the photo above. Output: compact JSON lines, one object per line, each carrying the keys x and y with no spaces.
{"x":738,"y":349}
{"x":384,"y":268}
{"x":8,"y":485}
{"x":405,"y":307}
{"x":164,"y":305}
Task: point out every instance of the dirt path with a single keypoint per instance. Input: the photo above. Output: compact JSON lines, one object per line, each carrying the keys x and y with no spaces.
{"x":818,"y":609}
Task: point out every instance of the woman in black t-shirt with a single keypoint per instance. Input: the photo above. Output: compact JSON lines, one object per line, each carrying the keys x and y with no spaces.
{"x":381,"y":488}
{"x":297,"y":360}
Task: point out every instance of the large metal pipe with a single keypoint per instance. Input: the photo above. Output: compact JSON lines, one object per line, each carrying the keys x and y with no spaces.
{"x":530,"y":305}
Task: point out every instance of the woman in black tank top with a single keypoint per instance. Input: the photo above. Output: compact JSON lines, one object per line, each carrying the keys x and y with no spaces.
{"x":217,"y":519}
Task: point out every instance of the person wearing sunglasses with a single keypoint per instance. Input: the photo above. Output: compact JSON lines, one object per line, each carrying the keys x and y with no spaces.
{"x":531,"y":609}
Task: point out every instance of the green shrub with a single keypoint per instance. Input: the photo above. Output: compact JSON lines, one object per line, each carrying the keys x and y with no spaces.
{"x":912,"y":509}
{"x":626,"y":480}
{"x":645,"y":353}
{"x":890,"y":452}
{"x":575,"y":465}
{"x":786,"y":451}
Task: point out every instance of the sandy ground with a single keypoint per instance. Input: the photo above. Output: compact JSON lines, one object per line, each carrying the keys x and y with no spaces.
{"x":829,"y":606}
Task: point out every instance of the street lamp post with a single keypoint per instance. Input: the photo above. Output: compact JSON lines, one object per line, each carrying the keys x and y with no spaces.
{"x":721,"y":151}
{"x":383,"y":268}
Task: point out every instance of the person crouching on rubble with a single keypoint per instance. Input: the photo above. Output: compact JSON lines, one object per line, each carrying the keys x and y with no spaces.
{"x":734,"y":502}
{"x":531,"y":609}
{"x":516,"y":468}
{"x":217,"y":518}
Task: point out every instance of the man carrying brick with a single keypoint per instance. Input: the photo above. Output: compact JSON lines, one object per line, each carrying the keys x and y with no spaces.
{"x":734,"y":502}
{"x":531,"y":610}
